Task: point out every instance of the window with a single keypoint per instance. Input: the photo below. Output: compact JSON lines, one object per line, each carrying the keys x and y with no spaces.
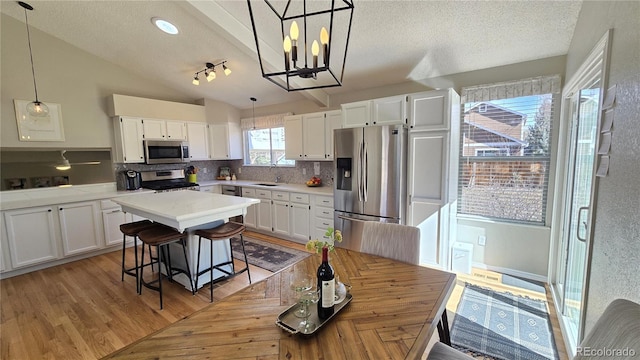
{"x":264,"y":141}
{"x":505,"y":149}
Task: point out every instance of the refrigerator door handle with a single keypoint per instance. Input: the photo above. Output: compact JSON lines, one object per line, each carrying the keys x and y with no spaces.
{"x":365,"y":183}
{"x":359,"y":170}
{"x":350,"y":218}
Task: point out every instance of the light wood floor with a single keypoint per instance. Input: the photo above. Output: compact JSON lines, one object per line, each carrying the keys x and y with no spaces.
{"x":82,"y":310}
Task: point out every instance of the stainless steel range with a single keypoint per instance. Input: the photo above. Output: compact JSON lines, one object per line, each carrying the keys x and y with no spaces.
{"x":166,"y":180}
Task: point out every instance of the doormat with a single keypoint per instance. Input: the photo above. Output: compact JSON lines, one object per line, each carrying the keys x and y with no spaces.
{"x":502,"y":326}
{"x":266,"y":255}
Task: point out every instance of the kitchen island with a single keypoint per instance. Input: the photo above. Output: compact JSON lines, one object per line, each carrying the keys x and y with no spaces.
{"x":393,"y":315}
{"x":189,"y":211}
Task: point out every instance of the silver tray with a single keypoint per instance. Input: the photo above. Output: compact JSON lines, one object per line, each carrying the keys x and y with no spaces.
{"x":289,"y":322}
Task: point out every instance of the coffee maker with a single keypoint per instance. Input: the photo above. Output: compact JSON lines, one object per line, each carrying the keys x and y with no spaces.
{"x":132,"y":180}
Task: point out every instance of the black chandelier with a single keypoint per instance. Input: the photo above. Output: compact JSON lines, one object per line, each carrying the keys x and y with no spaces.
{"x":210,"y":71}
{"x":315,"y":65}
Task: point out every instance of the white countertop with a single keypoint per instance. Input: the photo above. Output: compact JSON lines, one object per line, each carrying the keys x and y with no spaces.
{"x":16,"y":199}
{"x":302,"y":188}
{"x":184,"y":209}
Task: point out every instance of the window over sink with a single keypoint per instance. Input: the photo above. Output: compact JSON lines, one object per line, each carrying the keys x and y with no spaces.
{"x":264,"y":141}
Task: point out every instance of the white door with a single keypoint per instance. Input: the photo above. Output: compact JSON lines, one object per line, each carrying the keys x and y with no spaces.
{"x":356,"y":114}
{"x":176,"y":130}
{"x":293,"y":135}
{"x":281,"y":217}
{"x":80,"y":227}
{"x":154,"y":129}
{"x":198,"y":137}
{"x":112,"y":219}
{"x":132,"y":137}
{"x":390,"y":110}
{"x":263,"y":215}
{"x":332,"y":121}
{"x":300,"y":222}
{"x":313,"y":136}
{"x":219,"y":144}
{"x":429,"y":110}
{"x":32,"y":236}
{"x":427,"y":166}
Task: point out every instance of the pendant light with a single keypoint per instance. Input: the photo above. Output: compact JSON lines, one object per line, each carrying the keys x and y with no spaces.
{"x":253,"y":105}
{"x":34,"y":108}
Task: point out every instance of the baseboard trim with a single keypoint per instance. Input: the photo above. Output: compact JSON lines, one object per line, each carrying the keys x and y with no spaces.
{"x":512,"y":272}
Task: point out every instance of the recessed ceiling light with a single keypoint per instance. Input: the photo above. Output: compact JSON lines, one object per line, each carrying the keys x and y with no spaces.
{"x":164,"y":25}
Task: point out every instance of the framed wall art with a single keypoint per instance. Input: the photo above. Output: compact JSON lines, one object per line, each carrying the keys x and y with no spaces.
{"x":31,"y":128}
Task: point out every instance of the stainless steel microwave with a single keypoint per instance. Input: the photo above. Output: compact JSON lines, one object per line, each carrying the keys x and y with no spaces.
{"x":166,"y":152}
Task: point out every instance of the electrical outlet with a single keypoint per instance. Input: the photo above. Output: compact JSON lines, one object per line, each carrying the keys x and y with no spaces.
{"x":316,"y":168}
{"x":304,"y":171}
{"x":205,"y":170}
{"x":239,"y":170}
{"x":482,"y":240}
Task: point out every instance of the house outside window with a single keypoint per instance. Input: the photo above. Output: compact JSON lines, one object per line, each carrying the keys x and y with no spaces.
{"x":264,"y":141}
{"x":505,"y":150}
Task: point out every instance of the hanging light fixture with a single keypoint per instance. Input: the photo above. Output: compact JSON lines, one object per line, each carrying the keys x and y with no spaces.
{"x":63,"y":164}
{"x":253,"y":106}
{"x":300,"y":56}
{"x":34,"y":108}
{"x":210,"y":72}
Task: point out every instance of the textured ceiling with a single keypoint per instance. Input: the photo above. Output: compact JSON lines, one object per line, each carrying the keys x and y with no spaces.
{"x":391,"y":41}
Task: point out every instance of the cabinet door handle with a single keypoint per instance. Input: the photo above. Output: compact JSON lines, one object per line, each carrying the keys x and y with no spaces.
{"x":49,"y":210}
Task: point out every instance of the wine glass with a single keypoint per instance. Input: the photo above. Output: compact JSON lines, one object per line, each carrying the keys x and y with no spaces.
{"x":307,"y":298}
{"x":300,"y":282}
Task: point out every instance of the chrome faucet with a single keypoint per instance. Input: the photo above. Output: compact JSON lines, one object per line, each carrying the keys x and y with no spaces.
{"x":277,"y":179}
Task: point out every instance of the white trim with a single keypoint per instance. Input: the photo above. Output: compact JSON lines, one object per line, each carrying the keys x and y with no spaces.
{"x":512,"y":272}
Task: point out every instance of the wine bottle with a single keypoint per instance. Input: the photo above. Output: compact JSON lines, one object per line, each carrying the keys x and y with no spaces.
{"x":326,"y":286}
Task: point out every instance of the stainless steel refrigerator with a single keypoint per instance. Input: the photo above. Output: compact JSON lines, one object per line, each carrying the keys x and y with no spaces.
{"x":369,"y":179}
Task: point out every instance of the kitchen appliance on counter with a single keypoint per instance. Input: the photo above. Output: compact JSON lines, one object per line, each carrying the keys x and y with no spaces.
{"x":132,"y":180}
{"x":370,"y":179}
{"x":166,"y":180}
{"x":166,"y":152}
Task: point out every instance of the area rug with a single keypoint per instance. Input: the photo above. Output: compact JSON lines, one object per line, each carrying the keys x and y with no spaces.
{"x":502,"y":326}
{"x":266,"y":255}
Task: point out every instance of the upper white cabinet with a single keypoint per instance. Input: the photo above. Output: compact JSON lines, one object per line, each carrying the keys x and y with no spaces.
{"x":356,"y":114}
{"x":332,"y":121}
{"x":156,"y":129}
{"x":198,"y":137}
{"x":432,"y":110}
{"x":225,"y":141}
{"x":128,"y":140}
{"x":390,"y":110}
{"x":313,"y":136}
{"x":293,"y":135}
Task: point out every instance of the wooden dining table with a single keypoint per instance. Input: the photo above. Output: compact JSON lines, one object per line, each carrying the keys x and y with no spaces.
{"x":393,"y":313}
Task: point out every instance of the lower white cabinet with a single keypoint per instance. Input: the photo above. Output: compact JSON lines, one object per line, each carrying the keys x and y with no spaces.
{"x":300,"y":212}
{"x":112,"y":218}
{"x":263,"y":210}
{"x":323,"y":216}
{"x":80,"y":226}
{"x":250,"y":217}
{"x":281,"y":217}
{"x":31,"y":234}
{"x":214,"y":189}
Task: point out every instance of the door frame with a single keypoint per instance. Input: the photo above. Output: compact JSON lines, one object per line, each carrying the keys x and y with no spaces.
{"x":600,"y":53}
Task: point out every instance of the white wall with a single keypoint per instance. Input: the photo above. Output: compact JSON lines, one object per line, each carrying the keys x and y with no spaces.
{"x":615,"y":263}
{"x":77,"y":80}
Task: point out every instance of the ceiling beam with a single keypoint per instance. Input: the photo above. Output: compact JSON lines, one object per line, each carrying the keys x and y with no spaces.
{"x":237,"y":33}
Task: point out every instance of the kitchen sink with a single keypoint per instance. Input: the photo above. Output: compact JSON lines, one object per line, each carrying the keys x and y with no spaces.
{"x":267,"y":184}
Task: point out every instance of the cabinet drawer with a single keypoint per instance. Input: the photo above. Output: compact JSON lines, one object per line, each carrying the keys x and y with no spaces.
{"x":324,"y":201}
{"x":108,"y":205}
{"x":263,"y":194}
{"x":324,"y":223}
{"x":246,"y":192}
{"x":299,"y":198}
{"x":280,"y":195}
{"x":324,"y":212}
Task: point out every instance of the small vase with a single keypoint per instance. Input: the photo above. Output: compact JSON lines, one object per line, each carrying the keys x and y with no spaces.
{"x":192,"y":178}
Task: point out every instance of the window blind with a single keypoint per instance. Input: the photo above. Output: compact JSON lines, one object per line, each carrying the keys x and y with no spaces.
{"x":505,"y":149}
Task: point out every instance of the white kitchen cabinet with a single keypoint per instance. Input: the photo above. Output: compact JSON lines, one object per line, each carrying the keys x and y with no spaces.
{"x":80,"y":226}
{"x":281,"y":217}
{"x":427,"y":172}
{"x":313,"y":136}
{"x":300,"y":212}
{"x":250,"y":217}
{"x":32,"y":235}
{"x":225,"y":141}
{"x":158,"y":129}
{"x":263,"y":210}
{"x":198,"y":138}
{"x":323,"y":217}
{"x":112,"y":218}
{"x":356,"y":114}
{"x":129,"y":135}
{"x":214,"y":189}
{"x":432,"y":110}
{"x":332,"y":121}
{"x":293,"y":149}
{"x":390,"y":110}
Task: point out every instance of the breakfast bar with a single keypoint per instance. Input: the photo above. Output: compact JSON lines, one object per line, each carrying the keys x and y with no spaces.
{"x":393,"y":314}
{"x":190,"y":211}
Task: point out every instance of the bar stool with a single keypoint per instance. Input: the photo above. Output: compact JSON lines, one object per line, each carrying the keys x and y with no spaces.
{"x":132,"y":229}
{"x":161,"y":236}
{"x":224,"y":231}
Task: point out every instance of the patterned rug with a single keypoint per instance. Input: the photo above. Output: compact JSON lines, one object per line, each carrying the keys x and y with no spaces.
{"x":502,"y":326}
{"x":266,"y":255}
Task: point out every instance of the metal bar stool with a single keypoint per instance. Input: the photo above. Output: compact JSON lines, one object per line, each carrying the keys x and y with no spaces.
{"x":132,"y":229}
{"x":224,"y":231}
{"x":161,"y":236}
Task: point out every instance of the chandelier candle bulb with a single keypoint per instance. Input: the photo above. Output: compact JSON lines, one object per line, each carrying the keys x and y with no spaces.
{"x":315,"y":49}
{"x":294,"y":32}
{"x":324,"y":39}
{"x":287,"y":50}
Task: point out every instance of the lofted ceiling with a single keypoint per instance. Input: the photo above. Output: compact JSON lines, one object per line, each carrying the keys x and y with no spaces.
{"x":391,"y":42}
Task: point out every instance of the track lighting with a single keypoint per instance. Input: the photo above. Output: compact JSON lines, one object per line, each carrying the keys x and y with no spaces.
{"x":210,"y":72}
